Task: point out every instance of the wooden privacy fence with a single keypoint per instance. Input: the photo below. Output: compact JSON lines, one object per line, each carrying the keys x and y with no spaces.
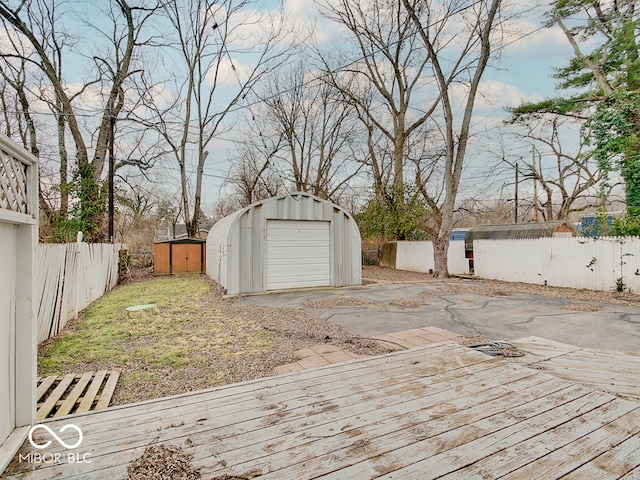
{"x":70,"y":277}
{"x":605,"y":263}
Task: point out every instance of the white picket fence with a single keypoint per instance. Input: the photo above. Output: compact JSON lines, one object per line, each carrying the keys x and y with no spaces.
{"x":592,"y":263}
{"x":417,"y":256}
{"x":70,"y":277}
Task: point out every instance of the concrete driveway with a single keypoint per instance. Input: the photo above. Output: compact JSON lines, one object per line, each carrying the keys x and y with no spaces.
{"x":384,"y":308}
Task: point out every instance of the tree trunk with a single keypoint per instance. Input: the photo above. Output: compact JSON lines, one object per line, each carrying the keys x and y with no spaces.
{"x":185,"y":193}
{"x":398,"y":164}
{"x":456,"y":142}
{"x":64,"y":179}
{"x":440,"y":254}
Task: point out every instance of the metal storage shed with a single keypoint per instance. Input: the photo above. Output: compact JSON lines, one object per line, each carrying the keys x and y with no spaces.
{"x":291,"y":241}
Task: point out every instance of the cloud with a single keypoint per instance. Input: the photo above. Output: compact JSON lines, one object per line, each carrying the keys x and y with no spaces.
{"x":306,"y":17}
{"x":528,"y":40}
{"x":12,"y":41}
{"x":494,"y":94}
{"x":229,"y":72}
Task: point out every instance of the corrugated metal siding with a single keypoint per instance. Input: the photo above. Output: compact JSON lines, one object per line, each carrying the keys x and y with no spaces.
{"x":237,"y":244}
{"x":218,"y":247}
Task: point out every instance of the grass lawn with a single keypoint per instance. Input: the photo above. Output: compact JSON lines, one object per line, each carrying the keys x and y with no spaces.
{"x":191,"y":340}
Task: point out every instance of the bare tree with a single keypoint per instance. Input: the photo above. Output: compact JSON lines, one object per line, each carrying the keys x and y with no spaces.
{"x":17,"y":118}
{"x":570,"y":178}
{"x":168,"y":211}
{"x":474,"y":211}
{"x":252,"y":177}
{"x":211,"y":39}
{"x":39,"y":25}
{"x":382,"y":85}
{"x":136,"y":223}
{"x":20,"y":123}
{"x":457,"y":39}
{"x":315,"y":131}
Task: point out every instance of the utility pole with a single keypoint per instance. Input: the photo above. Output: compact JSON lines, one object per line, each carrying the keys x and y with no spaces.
{"x":536,"y":216}
{"x":515,"y":197}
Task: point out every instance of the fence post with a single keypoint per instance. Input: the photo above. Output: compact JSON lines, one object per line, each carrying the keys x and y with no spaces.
{"x":78,"y":270}
{"x":123,"y":263}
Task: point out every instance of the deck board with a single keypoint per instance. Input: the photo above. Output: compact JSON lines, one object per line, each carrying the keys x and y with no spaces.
{"x":571,"y":456}
{"x":623,"y":458}
{"x":50,"y":403}
{"x":453,"y":449}
{"x":521,"y":460}
{"x":615,"y":372}
{"x":391,"y":423}
{"x":75,"y":395}
{"x":425,"y":412}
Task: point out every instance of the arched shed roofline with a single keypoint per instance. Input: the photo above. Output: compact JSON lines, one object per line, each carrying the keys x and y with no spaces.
{"x":228,"y":222}
{"x":233,"y":217}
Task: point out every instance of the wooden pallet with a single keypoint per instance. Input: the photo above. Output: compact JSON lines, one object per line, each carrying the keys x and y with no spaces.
{"x":75,"y":393}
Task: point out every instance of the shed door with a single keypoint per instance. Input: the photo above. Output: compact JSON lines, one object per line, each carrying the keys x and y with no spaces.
{"x":182,"y":260}
{"x":298,"y":254}
{"x":187,"y":257}
{"x":7,"y":327}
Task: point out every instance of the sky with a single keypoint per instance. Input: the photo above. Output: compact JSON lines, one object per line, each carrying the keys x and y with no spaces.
{"x":525,"y":63}
{"x":520,"y":72}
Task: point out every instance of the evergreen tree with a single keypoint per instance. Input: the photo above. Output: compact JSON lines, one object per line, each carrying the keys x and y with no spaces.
{"x":604,"y":80}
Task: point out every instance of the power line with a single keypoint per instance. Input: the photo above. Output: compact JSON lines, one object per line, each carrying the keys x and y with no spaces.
{"x":92,"y":113}
{"x":315,"y":79}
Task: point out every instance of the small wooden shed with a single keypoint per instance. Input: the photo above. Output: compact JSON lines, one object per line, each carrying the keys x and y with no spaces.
{"x":180,"y":255}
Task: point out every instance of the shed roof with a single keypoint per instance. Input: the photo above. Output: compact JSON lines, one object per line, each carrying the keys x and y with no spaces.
{"x":183,"y":241}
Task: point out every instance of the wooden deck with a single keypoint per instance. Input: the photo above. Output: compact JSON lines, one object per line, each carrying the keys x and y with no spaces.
{"x":439,"y":411}
{"x":614,"y":372}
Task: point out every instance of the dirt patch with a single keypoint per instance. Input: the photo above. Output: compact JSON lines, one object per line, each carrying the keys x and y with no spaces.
{"x":454,"y":285}
{"x":408,"y":302}
{"x":583,"y":307}
{"x":163,"y":462}
{"x":339,"y":301}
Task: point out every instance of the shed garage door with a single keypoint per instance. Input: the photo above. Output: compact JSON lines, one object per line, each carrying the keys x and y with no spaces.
{"x":298,"y":254}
